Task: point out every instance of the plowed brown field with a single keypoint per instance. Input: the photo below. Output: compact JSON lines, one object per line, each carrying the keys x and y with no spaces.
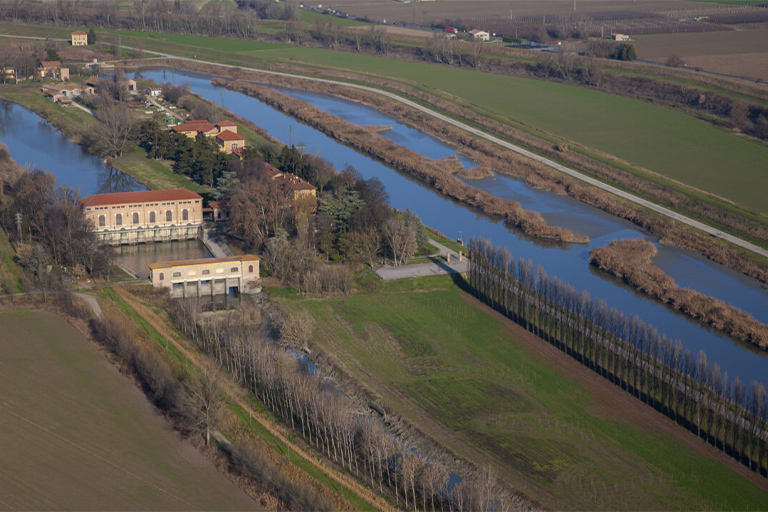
{"x":76,"y":435}
{"x":740,"y":53}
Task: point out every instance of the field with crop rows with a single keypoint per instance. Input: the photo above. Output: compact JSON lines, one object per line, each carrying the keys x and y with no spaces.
{"x":76,"y":435}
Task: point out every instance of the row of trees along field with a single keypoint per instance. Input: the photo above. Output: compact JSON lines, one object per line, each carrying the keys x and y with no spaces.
{"x":631,"y":354}
{"x":243,"y":23}
{"x":334,"y":424}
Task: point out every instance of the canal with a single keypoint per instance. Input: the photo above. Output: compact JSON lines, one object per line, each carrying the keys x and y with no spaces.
{"x":36,"y":144}
{"x":568,"y":262}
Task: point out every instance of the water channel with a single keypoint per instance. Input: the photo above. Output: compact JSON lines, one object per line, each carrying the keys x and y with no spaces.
{"x":568,"y":262}
{"x":35,"y":143}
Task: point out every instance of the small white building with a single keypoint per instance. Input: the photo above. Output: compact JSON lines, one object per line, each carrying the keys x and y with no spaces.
{"x":619,"y":37}
{"x":155,"y":92}
{"x":479,"y":35}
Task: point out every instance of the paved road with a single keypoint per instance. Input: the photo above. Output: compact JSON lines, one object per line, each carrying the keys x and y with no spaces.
{"x":507,"y":145}
{"x":427,"y":269}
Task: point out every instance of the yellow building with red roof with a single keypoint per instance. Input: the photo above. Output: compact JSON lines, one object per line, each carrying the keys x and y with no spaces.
{"x":145,"y":216}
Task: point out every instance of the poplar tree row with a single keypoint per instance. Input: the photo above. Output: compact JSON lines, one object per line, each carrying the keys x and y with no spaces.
{"x":338,"y":427}
{"x":630,"y":353}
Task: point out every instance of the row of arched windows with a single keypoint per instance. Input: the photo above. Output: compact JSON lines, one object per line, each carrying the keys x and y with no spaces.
{"x":135,"y":217}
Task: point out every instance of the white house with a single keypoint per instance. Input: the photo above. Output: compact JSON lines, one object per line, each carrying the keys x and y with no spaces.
{"x":479,"y":35}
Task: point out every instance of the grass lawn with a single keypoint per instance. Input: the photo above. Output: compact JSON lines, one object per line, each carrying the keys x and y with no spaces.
{"x":453,"y":369}
{"x":155,"y":174}
{"x":10,"y":272}
{"x":311,"y":17}
{"x":78,"y":435}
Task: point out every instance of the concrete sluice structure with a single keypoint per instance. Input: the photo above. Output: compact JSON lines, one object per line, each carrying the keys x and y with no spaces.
{"x":207,"y":277}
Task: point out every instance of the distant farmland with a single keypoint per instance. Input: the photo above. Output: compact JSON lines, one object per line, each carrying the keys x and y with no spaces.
{"x":76,"y":435}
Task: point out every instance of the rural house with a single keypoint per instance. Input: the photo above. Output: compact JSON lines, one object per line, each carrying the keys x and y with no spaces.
{"x":298,"y":187}
{"x":230,"y":142}
{"x":79,"y":38}
{"x":619,"y":37}
{"x":479,"y":35}
{"x":52,"y":69}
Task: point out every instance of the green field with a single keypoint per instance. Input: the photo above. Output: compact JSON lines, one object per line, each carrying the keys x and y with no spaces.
{"x":660,"y":139}
{"x":429,"y":353}
{"x":312,"y":17}
{"x":78,"y":435}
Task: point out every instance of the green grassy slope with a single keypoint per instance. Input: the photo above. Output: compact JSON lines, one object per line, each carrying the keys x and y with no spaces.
{"x":422,"y":347}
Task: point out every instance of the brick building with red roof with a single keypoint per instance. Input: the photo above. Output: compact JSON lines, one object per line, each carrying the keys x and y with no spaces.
{"x":150,"y":215}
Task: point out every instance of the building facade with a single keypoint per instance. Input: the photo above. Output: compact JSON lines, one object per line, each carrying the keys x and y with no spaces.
{"x":146,"y":216}
{"x":210,"y":276}
{"x":79,"y":38}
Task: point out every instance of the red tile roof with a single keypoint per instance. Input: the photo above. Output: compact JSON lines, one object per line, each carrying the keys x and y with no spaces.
{"x":185,"y":127}
{"x":226,"y":122}
{"x":228,"y":135}
{"x":50,"y":64}
{"x":206,"y":127}
{"x":144,"y":196}
{"x":79,"y":33}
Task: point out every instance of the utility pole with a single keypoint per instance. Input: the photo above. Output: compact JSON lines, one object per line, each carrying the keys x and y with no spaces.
{"x":18,"y":227}
{"x":511,"y":2}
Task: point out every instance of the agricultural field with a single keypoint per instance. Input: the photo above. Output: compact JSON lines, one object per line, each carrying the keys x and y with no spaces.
{"x":78,"y":435}
{"x":462,"y":9}
{"x":493,"y":393}
{"x":665,"y":141}
{"x":739,"y":53}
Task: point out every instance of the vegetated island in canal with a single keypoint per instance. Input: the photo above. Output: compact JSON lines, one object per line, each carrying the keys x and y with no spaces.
{"x":630,"y":260}
{"x":439,"y":174}
{"x":511,"y":164}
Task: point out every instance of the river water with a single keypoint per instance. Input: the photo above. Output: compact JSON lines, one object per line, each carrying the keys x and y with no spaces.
{"x":569,"y":262}
{"x":35,"y":143}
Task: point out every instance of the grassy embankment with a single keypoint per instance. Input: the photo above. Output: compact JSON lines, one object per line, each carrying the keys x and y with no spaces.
{"x":75,"y":124}
{"x":10,"y":272}
{"x":245,"y":411}
{"x":489,"y":391}
{"x":76,"y":435}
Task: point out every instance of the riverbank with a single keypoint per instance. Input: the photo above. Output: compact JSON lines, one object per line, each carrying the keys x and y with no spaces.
{"x":510,"y":163}
{"x":630,"y":260}
{"x":435,"y":173}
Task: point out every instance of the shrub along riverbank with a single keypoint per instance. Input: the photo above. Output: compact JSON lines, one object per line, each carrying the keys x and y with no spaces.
{"x":427,"y":170}
{"x":630,"y":260}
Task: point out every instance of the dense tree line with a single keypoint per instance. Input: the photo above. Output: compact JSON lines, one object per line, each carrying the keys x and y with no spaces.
{"x":198,"y":158}
{"x":193,"y":404}
{"x":334,"y":425}
{"x":242,"y":23}
{"x":350,"y":222}
{"x":54,"y":229}
{"x":631,"y":354}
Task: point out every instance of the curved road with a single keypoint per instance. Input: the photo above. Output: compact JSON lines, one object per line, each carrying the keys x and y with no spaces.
{"x":507,"y":145}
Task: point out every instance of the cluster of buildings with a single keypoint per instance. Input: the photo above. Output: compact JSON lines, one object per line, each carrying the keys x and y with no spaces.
{"x":164,"y":215}
{"x":224,"y":133}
